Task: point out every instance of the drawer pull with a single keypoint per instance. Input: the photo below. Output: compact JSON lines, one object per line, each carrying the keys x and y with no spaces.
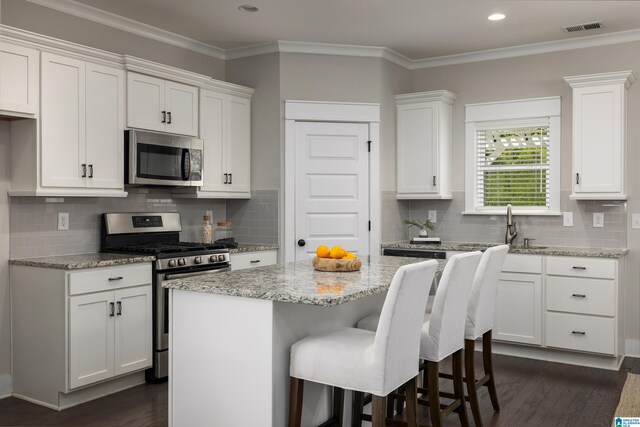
{"x":255,"y":261}
{"x":577,"y":267}
{"x":113,"y":279}
{"x":579,"y":295}
{"x":578,"y":333}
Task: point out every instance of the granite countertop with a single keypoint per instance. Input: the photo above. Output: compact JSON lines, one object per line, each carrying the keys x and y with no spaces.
{"x":250,"y":247}
{"x":518,"y":249}
{"x":298,"y":282}
{"x":82,"y":261}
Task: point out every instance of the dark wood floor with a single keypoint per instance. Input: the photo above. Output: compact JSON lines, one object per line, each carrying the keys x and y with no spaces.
{"x":532,"y":393}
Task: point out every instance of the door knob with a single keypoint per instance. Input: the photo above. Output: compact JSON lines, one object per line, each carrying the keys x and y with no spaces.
{"x":301,"y":242}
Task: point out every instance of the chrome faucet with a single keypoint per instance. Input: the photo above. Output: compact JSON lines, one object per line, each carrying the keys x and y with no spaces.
{"x":512,"y":232}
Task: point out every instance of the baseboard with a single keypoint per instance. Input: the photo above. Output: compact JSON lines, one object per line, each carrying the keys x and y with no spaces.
{"x":5,"y":386}
{"x":632,"y":348}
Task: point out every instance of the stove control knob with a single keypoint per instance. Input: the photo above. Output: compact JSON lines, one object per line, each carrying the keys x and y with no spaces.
{"x":172,"y":263}
{"x":182,"y":262}
{"x":197,"y":260}
{"x":213,"y":258}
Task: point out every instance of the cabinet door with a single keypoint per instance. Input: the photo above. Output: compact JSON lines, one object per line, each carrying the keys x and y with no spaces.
{"x":91,"y":331}
{"x":598,"y":126}
{"x":145,"y":102}
{"x":62,"y":121}
{"x":213,"y":132}
{"x":105,"y":127}
{"x":239,"y":144}
{"x":518,"y":312}
{"x":19,"y":79}
{"x":417,"y":148}
{"x":133,"y":329}
{"x":182,"y":109}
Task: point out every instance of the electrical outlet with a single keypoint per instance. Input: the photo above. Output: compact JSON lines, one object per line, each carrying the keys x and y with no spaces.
{"x":598,"y":219}
{"x":635,"y":220}
{"x":567,"y":219}
{"x":433,"y":216}
{"x":63,"y":221}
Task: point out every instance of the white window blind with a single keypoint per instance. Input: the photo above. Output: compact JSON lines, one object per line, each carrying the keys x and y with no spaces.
{"x":512,"y":166}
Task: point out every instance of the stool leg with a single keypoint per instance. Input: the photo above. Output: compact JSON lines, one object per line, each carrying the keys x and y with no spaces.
{"x":390,"y":406}
{"x":338,"y":406}
{"x":458,"y":388}
{"x":378,"y":411}
{"x":356,"y":410}
{"x":469,"y":370}
{"x":296,"y":386}
{"x":433,"y":393}
{"x":400,"y":401}
{"x":412,"y":402}
{"x":487,"y":358}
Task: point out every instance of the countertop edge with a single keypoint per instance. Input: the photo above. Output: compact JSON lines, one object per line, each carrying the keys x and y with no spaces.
{"x":50,"y":263}
{"x":250,"y":247}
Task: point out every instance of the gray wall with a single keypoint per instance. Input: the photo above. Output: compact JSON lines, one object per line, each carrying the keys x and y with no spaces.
{"x":5,"y":314}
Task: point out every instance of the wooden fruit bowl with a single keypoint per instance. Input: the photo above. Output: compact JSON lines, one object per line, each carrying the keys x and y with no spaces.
{"x":330,"y":264}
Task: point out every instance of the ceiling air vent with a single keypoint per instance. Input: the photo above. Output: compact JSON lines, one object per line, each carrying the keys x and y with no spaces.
{"x":583,"y":27}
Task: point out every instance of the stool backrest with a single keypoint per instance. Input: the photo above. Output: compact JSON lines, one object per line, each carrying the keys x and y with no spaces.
{"x":483,"y":292}
{"x":447,"y":322}
{"x":397,"y":342}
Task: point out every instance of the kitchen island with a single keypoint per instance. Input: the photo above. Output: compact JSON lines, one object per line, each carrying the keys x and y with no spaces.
{"x":230,"y":335}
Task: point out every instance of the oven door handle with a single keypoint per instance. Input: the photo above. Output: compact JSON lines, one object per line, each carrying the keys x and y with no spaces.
{"x":196,"y":273}
{"x":186,"y":164}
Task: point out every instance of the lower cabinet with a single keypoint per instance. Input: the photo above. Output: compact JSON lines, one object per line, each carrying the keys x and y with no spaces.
{"x":518,"y":311}
{"x":242,"y":260}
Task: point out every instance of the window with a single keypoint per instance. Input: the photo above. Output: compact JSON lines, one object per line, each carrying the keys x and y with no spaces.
{"x":514,"y":157}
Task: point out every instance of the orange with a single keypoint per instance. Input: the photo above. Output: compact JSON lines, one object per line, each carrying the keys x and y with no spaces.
{"x":336,"y":252}
{"x":322,"y":251}
{"x":349,"y":255}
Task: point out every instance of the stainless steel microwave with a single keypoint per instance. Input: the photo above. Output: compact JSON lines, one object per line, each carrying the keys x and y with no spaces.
{"x":162,"y":159}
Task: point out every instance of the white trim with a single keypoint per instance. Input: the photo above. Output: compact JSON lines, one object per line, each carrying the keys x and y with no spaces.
{"x":434,"y":95}
{"x":514,"y":109}
{"x":616,"y":78}
{"x":328,"y":112}
{"x":167,"y":72}
{"x":632,"y":348}
{"x":131,"y":26}
{"x":5,"y":386}
{"x":252,"y":50}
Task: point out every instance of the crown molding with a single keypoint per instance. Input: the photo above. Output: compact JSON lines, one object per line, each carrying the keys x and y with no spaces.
{"x":229,"y":88}
{"x":435,"y":95}
{"x":131,"y":26}
{"x":138,"y":65}
{"x":625,"y":78}
{"x":252,"y":50}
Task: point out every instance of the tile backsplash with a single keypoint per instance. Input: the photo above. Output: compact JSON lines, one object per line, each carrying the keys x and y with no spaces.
{"x":546,"y":230}
{"x":255,"y":220}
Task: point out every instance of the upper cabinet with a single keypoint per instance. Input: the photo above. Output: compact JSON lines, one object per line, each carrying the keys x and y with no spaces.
{"x":19,"y":83}
{"x":424,"y":126}
{"x":161,"y":105}
{"x":599,"y":135}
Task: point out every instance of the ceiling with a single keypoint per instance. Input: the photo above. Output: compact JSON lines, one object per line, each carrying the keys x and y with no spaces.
{"x":415,"y":28}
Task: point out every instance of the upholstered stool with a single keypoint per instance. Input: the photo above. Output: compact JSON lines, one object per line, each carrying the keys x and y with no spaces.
{"x":443,"y":333}
{"x":371,"y":362}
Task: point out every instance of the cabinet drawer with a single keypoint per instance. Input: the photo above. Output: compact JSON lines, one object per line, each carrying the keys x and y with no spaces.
{"x":582,"y":333}
{"x":580,"y":295}
{"x":253,"y":259}
{"x":104,"y":279}
{"x":522,"y":264}
{"x":582,"y":267}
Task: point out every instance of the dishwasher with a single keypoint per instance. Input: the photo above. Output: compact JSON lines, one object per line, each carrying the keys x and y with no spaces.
{"x":418,"y":253}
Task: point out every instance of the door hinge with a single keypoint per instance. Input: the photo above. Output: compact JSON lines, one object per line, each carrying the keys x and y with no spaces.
{"x":369,"y":146}
{"x":369,"y":225}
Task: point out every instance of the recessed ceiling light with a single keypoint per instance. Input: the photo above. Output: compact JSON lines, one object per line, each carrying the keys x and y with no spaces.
{"x":496,"y":17}
{"x":247,"y":8}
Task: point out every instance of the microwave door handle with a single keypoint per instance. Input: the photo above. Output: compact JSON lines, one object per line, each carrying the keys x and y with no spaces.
{"x":186,"y":164}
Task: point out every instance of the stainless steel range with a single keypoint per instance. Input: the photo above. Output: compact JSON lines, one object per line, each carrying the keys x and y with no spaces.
{"x":159,"y":234}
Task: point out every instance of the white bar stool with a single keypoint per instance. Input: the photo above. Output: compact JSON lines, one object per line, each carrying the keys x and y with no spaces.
{"x":372,"y":362}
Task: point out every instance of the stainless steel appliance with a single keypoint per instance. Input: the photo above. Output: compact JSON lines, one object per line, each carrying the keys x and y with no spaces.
{"x":154,"y":158}
{"x":415,"y":253}
{"x":159,"y":234}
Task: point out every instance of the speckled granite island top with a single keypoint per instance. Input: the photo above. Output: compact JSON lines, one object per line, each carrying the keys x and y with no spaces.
{"x":517,"y":249}
{"x":81,"y":261}
{"x":250,"y":247}
{"x":298,"y":282}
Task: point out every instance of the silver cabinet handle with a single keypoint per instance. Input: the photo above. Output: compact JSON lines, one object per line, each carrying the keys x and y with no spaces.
{"x":84,"y":170}
{"x":119,"y":304}
{"x":113,"y":279}
{"x":111,"y":309}
{"x":577,"y":267}
{"x":579,"y":295}
{"x":578,"y":333}
{"x":577,"y":178}
{"x":434,"y":180}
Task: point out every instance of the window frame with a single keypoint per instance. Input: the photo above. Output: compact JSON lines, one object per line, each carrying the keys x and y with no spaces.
{"x":513,"y":113}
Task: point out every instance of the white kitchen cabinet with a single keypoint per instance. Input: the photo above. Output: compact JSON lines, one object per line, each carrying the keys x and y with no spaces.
{"x":19,"y":80}
{"x":225,"y":127}
{"x":424,"y":140}
{"x":74,"y":329}
{"x":240,"y":261}
{"x":599,"y":135}
{"x":518,"y":310}
{"x":160,"y":105}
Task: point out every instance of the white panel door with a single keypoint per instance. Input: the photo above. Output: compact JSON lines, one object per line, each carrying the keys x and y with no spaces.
{"x":63,"y":121}
{"x":105,"y":127}
{"x":518,"y":312}
{"x":332,"y":187}
{"x":19,"y":79}
{"x":145,"y":102}
{"x":213,"y":132}
{"x":182,"y":109}
{"x":239,"y":144}
{"x":91,"y":332}
{"x":133,"y":328}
